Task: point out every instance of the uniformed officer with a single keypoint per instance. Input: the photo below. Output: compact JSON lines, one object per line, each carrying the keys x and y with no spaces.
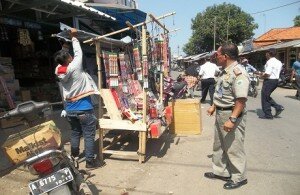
{"x":229,"y":158}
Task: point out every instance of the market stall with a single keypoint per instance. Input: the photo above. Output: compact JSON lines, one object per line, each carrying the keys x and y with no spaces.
{"x":132,"y":91}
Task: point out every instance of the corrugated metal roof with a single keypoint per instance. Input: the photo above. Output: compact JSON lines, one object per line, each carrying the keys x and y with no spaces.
{"x":90,"y":9}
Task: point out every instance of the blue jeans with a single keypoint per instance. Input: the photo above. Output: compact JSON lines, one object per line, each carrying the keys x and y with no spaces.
{"x":83,"y":123}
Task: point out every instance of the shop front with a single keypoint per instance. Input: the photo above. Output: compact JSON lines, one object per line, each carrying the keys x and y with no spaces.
{"x":27,"y":46}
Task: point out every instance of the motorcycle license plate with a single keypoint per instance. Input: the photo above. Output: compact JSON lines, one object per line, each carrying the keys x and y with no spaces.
{"x":50,"y":182}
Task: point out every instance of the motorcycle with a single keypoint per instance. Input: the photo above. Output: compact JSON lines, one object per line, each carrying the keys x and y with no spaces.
{"x":253,"y":83}
{"x":174,"y":89}
{"x":57,"y":171}
{"x":285,"y":79}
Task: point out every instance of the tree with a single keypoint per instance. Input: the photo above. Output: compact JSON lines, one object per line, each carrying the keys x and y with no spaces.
{"x":240,"y":28}
{"x":297,"y":21}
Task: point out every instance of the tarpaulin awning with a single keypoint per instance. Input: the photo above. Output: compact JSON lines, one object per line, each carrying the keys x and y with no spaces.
{"x":121,"y":13}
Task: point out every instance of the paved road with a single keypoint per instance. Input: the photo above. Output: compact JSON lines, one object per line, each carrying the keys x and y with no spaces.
{"x":177,"y":163}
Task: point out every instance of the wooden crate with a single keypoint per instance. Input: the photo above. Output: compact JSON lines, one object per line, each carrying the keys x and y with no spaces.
{"x":186,"y":117}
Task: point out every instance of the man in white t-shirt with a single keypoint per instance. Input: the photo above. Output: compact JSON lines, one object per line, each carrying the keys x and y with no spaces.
{"x":270,"y":76}
{"x":207,"y":73}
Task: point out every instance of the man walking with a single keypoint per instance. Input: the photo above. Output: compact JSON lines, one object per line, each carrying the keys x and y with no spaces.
{"x":296,"y":73}
{"x":77,"y":87}
{"x":270,"y":76}
{"x":249,"y":68}
{"x":229,"y":158}
{"x":207,"y":73}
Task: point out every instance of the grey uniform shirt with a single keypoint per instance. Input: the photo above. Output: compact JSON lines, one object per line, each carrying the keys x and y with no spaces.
{"x":232,"y":83}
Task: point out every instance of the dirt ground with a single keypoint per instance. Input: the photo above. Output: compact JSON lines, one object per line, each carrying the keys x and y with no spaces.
{"x":176,"y":163}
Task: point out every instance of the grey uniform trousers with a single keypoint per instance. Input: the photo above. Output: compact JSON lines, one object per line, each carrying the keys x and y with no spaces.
{"x":229,"y":158}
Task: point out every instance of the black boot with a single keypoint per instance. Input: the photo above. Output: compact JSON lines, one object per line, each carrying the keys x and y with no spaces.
{"x":74,"y":152}
{"x":91,"y":163}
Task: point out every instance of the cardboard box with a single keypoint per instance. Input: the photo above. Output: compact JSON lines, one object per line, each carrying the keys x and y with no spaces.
{"x":27,"y":143}
{"x":10,"y":122}
{"x":186,"y":117}
{"x":25,"y":95}
{"x":6,"y":69}
{"x":13,"y":87}
{"x":8,"y":78}
{"x":6,"y":61}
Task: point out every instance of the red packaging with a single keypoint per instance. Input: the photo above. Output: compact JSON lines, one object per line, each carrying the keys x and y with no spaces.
{"x":153,"y":112}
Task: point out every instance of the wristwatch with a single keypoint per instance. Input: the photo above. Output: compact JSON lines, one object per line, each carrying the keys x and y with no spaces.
{"x":233,"y":119}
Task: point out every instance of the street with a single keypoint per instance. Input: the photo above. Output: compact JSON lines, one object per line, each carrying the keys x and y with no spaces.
{"x":176,"y":164}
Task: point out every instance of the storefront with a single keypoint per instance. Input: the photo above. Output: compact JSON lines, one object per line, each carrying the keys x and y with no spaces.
{"x":286,"y":53}
{"x":27,"y":45}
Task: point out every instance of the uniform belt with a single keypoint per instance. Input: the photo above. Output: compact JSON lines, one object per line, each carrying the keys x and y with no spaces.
{"x":228,"y":108}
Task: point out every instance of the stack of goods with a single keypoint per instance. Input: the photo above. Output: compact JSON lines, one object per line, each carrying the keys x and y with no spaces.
{"x":3,"y":33}
{"x":159,"y":50}
{"x":124,"y":74}
{"x":106,"y":66}
{"x":25,"y":47}
{"x":138,"y":65}
{"x":165,"y":52}
{"x":9,"y":89}
{"x":145,"y":71}
{"x":113,"y":70}
{"x":23,"y":37}
{"x":9,"y":86}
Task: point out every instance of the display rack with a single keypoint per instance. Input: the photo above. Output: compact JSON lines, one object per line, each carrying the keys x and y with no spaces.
{"x":113,"y":119}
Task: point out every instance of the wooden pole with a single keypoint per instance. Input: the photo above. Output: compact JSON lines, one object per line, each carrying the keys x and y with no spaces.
{"x":158,"y":22}
{"x":133,"y":28}
{"x":100,"y":114}
{"x":128,"y":28}
{"x":143,"y":135}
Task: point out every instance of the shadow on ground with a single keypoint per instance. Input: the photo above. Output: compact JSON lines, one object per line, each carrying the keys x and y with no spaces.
{"x":129,"y":141}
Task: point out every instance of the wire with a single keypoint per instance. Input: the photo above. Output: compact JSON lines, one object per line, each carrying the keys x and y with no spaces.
{"x":275,"y":8}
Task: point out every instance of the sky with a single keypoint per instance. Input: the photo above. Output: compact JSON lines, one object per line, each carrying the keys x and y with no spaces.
{"x":187,"y":9}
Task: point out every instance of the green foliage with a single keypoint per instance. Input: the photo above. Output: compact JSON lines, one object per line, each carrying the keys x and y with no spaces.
{"x":297,"y":21}
{"x":240,"y":28}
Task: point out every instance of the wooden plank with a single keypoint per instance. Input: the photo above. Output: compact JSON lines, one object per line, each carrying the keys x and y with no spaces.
{"x":128,"y":28}
{"x":98,"y":52}
{"x":121,"y":153}
{"x":110,"y":104}
{"x":122,"y":125}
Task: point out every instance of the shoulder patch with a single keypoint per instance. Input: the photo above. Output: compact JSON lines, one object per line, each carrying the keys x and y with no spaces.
{"x":239,"y":82}
{"x":237,"y":71}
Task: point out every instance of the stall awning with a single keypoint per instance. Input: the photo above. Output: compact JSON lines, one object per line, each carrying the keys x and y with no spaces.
{"x":121,"y":13}
{"x":294,"y":43}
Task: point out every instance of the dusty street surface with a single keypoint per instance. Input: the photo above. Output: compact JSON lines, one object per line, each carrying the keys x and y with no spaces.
{"x":176,"y":164}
